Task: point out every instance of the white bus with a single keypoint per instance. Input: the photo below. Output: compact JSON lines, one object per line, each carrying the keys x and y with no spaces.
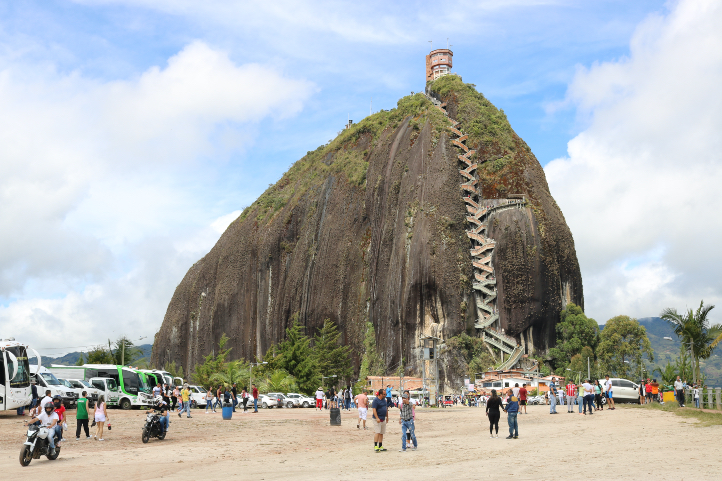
{"x":15,"y":390}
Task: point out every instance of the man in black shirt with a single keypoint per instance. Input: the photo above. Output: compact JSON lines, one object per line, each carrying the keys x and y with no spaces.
{"x":379,"y":411}
{"x":234,"y":390}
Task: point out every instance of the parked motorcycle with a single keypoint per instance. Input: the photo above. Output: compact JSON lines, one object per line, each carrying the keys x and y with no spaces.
{"x":37,"y":444}
{"x":152,"y":427}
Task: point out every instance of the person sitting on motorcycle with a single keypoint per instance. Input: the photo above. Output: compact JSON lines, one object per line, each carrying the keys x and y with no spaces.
{"x":60,"y":411}
{"x":49,"y":420}
{"x":162,"y":407}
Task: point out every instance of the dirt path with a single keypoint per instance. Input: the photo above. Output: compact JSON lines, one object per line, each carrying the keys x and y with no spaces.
{"x":300,"y":444}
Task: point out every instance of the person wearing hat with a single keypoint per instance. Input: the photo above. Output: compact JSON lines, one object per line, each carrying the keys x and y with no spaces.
{"x":319,"y":398}
{"x":406,"y":418}
{"x":379,"y":413}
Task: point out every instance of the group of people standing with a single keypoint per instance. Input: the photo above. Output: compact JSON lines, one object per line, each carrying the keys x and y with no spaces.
{"x":585,"y":395}
{"x":50,"y":413}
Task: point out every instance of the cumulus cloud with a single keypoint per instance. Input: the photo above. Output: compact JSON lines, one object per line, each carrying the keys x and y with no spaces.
{"x":107,"y":187}
{"x":640,"y":185}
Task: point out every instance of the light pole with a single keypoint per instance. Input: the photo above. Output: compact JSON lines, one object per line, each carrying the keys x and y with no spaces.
{"x":250,"y":370}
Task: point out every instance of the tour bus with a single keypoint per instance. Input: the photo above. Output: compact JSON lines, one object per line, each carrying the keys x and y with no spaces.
{"x":122,"y":385}
{"x":15,"y":390}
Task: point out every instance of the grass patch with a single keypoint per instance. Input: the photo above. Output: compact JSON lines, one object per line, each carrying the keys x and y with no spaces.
{"x":346,"y":156}
{"x":705,"y":418}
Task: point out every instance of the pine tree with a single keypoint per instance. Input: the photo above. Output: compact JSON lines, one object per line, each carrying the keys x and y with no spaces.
{"x":371,"y":363}
{"x":330,"y":356}
{"x":295,"y":356}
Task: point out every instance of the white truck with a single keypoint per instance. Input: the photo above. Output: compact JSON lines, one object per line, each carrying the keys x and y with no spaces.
{"x":46,"y":381}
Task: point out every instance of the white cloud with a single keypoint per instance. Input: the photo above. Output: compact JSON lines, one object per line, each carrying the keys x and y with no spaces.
{"x":108,"y":188}
{"x":640,"y":185}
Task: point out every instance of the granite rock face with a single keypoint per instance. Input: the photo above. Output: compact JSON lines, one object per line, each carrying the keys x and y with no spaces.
{"x":372,"y":227}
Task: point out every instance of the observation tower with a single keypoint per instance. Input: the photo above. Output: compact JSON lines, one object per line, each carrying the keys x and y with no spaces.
{"x":438,"y":63}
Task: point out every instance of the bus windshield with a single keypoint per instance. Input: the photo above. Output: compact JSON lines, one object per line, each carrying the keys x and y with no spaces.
{"x":22,"y":378}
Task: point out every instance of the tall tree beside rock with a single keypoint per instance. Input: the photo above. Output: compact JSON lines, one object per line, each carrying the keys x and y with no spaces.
{"x":295,"y":356}
{"x":623,"y":343}
{"x":330,"y":356}
{"x":575,"y":331}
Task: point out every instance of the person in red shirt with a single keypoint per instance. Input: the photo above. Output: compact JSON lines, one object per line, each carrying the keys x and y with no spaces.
{"x":571,"y":396}
{"x":60,"y":410}
{"x":522,"y":397}
{"x":648,"y":392}
{"x":255,"y":398}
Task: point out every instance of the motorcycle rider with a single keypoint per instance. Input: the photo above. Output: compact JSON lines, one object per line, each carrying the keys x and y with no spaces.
{"x":48,"y":419}
{"x":162,"y":407}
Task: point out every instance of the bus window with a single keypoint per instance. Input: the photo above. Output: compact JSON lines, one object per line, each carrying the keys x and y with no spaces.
{"x":22,"y":378}
{"x":131,"y":382}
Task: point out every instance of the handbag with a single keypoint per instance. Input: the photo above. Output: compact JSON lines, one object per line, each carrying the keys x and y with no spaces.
{"x":93,"y":425}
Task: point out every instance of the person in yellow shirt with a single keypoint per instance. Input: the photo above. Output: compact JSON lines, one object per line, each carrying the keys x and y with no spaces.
{"x":186,"y":397}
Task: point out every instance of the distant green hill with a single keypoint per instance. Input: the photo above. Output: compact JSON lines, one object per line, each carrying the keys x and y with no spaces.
{"x":71,"y":358}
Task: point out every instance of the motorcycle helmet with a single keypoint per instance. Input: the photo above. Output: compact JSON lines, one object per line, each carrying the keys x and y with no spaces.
{"x":49,"y":408}
{"x":158,"y":401}
{"x":57,"y":400}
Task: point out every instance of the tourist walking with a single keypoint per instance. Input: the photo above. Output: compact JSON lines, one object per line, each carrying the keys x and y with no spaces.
{"x":100,"y":414}
{"x":388,"y":394}
{"x":254,"y":393}
{"x":186,"y":398}
{"x":512,"y":408}
{"x":553,"y":396}
{"x":571,"y":396}
{"x":522,"y":397}
{"x":347,"y":397}
{"x":362,"y":401}
{"x":492,"y":412}
{"x":679,"y":391}
{"x":244,"y":399}
{"x":175,"y":397}
{"x":234,"y":390}
{"x":406,"y":418}
{"x":81,"y":416}
{"x":379,"y":411}
{"x":209,"y":400}
{"x":608,"y":392}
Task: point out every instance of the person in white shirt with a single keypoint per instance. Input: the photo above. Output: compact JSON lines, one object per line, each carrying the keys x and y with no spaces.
{"x":679,"y":391}
{"x":47,"y":399}
{"x":588,"y":397}
{"x":319,"y":399}
{"x":695,"y":395}
{"x":609,"y":393}
{"x":48,"y":419}
{"x":515,"y":389}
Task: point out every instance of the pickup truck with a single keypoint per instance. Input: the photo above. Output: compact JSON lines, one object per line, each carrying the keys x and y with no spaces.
{"x":47,"y":381}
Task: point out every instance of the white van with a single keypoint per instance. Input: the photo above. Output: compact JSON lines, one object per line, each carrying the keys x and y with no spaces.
{"x":46,"y":381}
{"x":623,"y":390}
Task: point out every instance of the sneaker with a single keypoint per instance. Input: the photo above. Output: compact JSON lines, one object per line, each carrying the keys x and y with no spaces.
{"x":510,"y":437}
{"x":189,"y":417}
{"x":358,"y":427}
{"x":77,"y":439}
{"x":179,"y":415}
{"x":101,"y":439}
{"x":382,"y":449}
{"x":62,"y":440}
{"x":402,"y":450}
{"x":376,"y":449}
{"x":414,"y":448}
{"x":516,"y":437}
{"x":491,"y":437}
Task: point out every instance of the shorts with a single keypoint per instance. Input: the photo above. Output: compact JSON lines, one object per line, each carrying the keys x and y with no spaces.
{"x":319,"y":403}
{"x":609,"y":395}
{"x":523,"y":402}
{"x":380,"y":428}
{"x":362,"y":413}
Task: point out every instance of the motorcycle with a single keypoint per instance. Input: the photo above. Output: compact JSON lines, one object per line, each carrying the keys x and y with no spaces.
{"x":152,"y":427}
{"x":37,"y":445}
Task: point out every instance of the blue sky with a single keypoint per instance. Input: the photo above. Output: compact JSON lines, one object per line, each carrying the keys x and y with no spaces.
{"x":139,"y":129}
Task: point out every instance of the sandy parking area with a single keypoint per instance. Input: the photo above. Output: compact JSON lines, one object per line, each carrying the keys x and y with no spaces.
{"x":299,"y":443}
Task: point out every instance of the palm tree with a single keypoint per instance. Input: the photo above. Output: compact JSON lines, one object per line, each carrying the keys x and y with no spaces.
{"x":693,"y":329}
{"x":279,"y":381}
{"x":234,"y":371}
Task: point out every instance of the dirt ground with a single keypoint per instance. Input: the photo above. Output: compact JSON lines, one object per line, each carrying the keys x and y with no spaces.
{"x":300,"y":444}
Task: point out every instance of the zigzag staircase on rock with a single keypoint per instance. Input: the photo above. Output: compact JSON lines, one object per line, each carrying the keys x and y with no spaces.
{"x":483,"y":248}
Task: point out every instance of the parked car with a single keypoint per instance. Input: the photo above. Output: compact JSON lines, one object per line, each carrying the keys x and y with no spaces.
{"x":623,"y":390}
{"x":285,"y":401}
{"x":300,"y":400}
{"x":92,"y":393}
{"x":268,"y":401}
{"x":198,"y":396}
